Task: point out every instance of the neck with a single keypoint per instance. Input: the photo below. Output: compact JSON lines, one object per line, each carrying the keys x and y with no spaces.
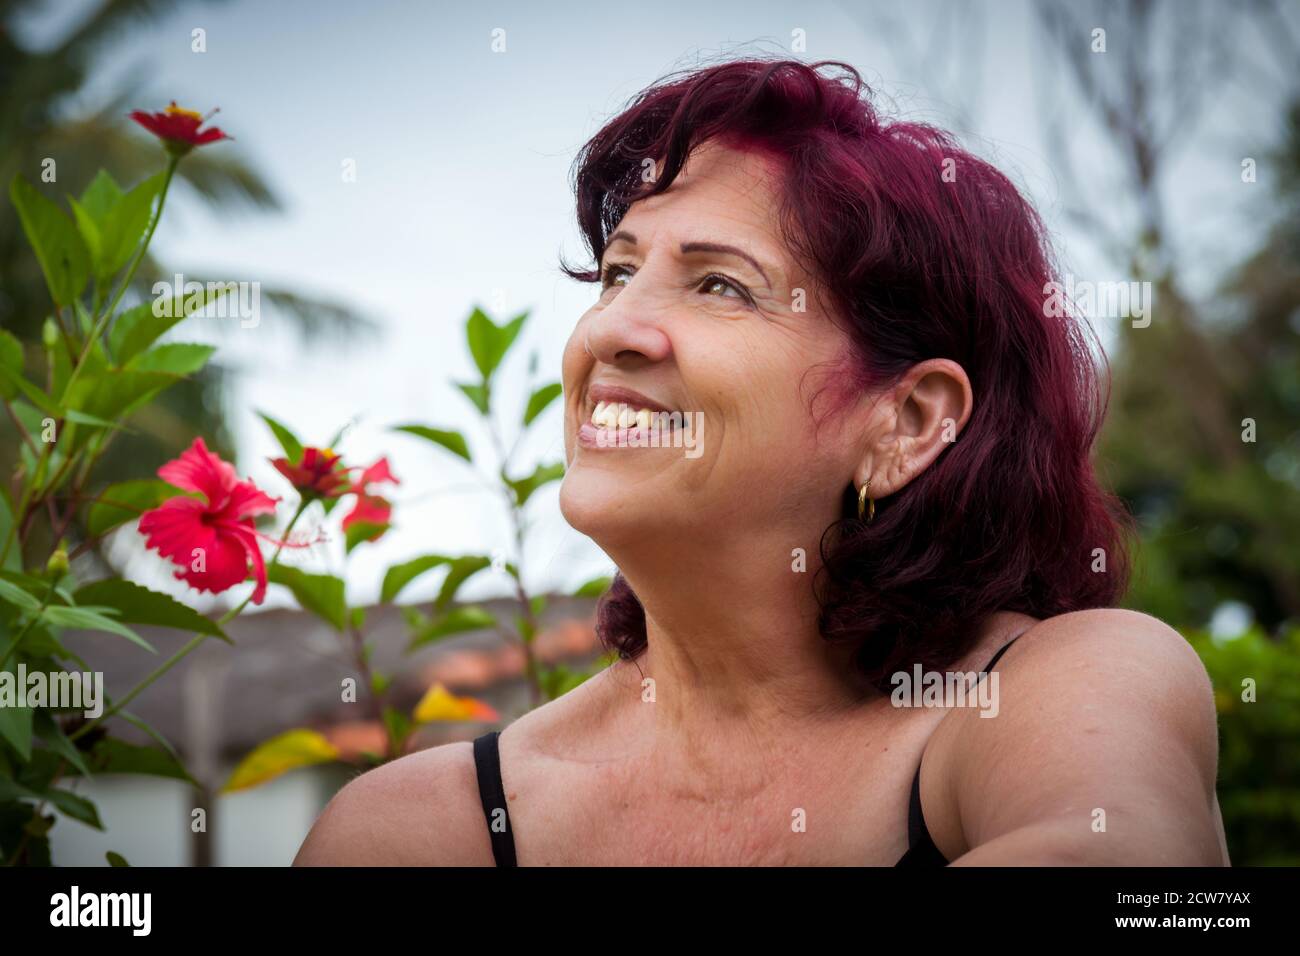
{"x":741,"y":675}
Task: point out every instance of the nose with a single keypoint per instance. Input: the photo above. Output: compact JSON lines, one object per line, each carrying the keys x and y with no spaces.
{"x":629,"y":330}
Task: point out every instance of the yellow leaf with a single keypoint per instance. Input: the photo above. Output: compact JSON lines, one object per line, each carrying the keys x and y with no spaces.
{"x":438,"y":703}
{"x":271,"y":758}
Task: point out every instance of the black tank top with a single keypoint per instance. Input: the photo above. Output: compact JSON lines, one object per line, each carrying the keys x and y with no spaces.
{"x":921,"y":850}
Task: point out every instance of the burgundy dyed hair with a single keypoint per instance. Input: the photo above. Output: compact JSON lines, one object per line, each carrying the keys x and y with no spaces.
{"x":922,"y":251}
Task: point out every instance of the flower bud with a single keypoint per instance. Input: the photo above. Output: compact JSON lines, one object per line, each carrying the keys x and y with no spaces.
{"x":58,"y":563}
{"x":50,"y":334}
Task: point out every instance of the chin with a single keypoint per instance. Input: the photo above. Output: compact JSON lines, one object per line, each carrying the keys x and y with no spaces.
{"x":611,"y":504}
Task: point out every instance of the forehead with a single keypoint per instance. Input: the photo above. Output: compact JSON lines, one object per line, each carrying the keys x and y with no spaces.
{"x":731,"y":192}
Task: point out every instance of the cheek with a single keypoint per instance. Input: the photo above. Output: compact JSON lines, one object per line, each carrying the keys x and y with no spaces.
{"x":791,"y":429}
{"x":571,"y":362}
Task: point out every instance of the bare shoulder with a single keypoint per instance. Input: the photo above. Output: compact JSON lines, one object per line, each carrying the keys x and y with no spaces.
{"x":1118,"y":653}
{"x":419,"y":810}
{"x":424,"y":809}
{"x":1111,"y":665}
{"x":1103,"y":708}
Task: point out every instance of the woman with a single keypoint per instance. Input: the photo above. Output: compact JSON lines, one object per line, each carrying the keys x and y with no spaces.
{"x":831,"y":426}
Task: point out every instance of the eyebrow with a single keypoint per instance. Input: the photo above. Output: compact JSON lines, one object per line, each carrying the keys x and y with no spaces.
{"x":687,"y":247}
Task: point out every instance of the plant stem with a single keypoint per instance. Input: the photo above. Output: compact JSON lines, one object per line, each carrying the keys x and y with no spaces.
{"x":22,"y":429}
{"x":531,"y":671}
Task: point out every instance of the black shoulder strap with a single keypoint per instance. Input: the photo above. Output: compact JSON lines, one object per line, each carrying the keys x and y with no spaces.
{"x":921,"y":850}
{"x":487,"y":761}
{"x":920,"y":846}
{"x":1001,"y":650}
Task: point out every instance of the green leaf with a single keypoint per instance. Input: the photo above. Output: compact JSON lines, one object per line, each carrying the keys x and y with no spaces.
{"x":124,"y":227}
{"x":72,"y":805}
{"x":489,"y":342}
{"x":453,"y":441}
{"x":456,"y":621}
{"x":543,"y":475}
{"x":11,"y":365}
{"x":81,"y":418}
{"x":321,"y":594}
{"x":461,"y":569}
{"x":92,"y":619}
{"x":117,"y":756}
{"x":13,"y":382}
{"x":48,"y":729}
{"x":114,"y":393}
{"x":18,"y":597}
{"x":88,"y":229}
{"x":87,"y":323}
{"x":115,"y":859}
{"x":287,"y":439}
{"x":109,"y":395}
{"x":279,"y":755}
{"x":481,"y":333}
{"x":362,"y":531}
{"x":594,"y":588}
{"x":16,"y":727}
{"x":101,"y":196}
{"x":59,"y":248}
{"x":540,"y":399}
{"x":178,"y":358}
{"x":124,"y":501}
{"x":145,"y":728}
{"x":33,"y":584}
{"x":414,"y":617}
{"x":478,"y":394}
{"x":136,"y":604}
{"x":139,"y":327}
{"x":400,"y":575}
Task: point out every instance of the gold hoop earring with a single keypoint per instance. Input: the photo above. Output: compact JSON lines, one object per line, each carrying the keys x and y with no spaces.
{"x":866,"y":504}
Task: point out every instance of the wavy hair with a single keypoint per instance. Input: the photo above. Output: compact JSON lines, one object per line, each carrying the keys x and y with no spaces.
{"x":923,"y":251}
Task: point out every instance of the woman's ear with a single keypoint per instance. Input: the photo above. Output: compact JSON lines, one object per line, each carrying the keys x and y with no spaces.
{"x":917,"y":420}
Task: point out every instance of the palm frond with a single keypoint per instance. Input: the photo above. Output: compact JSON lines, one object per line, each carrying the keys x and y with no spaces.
{"x":107,"y":22}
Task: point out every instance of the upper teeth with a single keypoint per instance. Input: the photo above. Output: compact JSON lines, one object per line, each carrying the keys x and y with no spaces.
{"x":618,"y":415}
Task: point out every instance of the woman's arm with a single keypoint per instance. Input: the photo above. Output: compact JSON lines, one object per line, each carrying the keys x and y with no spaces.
{"x":1104,"y":751}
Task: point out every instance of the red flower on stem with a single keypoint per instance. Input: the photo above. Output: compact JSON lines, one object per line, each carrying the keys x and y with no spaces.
{"x":178,"y":128}
{"x":319,"y":473}
{"x":213,"y":539}
{"x":371,"y":509}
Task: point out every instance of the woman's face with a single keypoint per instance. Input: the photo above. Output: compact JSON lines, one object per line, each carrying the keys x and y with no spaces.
{"x":704,"y":312}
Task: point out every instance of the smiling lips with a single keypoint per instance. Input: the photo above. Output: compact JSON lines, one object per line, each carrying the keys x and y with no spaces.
{"x":620,"y":413}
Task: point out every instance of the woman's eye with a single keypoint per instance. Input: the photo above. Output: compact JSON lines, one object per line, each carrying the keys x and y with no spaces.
{"x":717,"y":285}
{"x":615,"y":276}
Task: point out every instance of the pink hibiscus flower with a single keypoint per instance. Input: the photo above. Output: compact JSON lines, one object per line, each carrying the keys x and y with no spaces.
{"x":213,"y":540}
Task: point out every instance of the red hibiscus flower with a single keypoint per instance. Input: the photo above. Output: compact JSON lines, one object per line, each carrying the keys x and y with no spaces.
{"x":319,"y":473}
{"x":371,"y":509}
{"x":213,"y":539}
{"x":178,"y":128}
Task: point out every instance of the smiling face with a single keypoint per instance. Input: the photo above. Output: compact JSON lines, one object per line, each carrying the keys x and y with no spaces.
{"x":703,"y":312}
